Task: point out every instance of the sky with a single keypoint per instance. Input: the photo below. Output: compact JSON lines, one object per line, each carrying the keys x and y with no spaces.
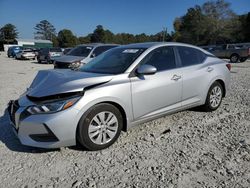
{"x":82,"y":16}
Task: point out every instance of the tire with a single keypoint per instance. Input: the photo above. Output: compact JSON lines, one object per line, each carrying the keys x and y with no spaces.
{"x":234,"y":58}
{"x":209,"y":105}
{"x":91,"y":132}
{"x":243,"y":59}
{"x":38,"y":60}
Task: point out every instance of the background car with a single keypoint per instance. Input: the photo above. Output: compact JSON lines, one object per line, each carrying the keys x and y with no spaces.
{"x":120,"y":88}
{"x":230,"y":51}
{"x":13,"y":50}
{"x":45,"y":54}
{"x":66,"y":50}
{"x":80,"y":55}
{"x":26,"y":54}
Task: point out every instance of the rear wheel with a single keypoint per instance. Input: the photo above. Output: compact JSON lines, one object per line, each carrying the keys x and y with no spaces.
{"x":100,"y":127}
{"x":214,"y":97}
{"x":39,"y":60}
{"x":234,"y":58}
{"x":243,"y":59}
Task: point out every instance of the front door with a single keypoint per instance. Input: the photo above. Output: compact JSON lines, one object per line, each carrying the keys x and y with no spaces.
{"x":161,"y":92}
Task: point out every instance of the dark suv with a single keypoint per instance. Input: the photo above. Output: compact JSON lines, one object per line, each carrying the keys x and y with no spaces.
{"x":45,"y":54}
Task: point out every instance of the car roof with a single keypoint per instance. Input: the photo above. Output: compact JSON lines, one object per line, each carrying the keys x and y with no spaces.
{"x":98,"y":44}
{"x":159,"y":44}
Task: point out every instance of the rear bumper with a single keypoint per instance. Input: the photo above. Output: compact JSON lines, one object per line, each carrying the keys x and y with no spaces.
{"x":53,"y":130}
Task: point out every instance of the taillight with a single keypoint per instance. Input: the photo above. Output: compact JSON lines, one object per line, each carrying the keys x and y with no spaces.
{"x":229,"y":66}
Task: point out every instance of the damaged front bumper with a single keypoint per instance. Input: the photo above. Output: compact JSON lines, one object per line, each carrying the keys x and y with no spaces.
{"x":52,"y":130}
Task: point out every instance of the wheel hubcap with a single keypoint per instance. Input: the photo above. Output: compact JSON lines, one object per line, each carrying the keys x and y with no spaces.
{"x":215,"y":97}
{"x":234,"y":58}
{"x":103,"y":128}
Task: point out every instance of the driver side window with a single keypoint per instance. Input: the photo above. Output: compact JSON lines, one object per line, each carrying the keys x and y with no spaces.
{"x":162,"y":58}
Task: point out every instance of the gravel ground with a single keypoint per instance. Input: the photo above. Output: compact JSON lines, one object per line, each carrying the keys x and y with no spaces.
{"x":186,"y":149}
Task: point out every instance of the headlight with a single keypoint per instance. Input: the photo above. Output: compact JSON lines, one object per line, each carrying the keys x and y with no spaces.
{"x":75,"y":65}
{"x":53,"y":106}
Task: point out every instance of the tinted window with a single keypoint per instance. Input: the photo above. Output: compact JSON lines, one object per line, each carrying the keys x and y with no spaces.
{"x":162,"y":58}
{"x":190,"y":56}
{"x":45,"y":50}
{"x":80,"y":51}
{"x":101,"y":49}
{"x":114,"y":61}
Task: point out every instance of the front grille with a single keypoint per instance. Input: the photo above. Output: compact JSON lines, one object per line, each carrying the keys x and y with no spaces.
{"x":13,"y":107}
{"x":61,"y":65}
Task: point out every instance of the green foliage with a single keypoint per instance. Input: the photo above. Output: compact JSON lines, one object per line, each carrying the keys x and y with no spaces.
{"x":44,"y":30}
{"x":243,"y":32}
{"x":66,"y":38}
{"x":8,"y":33}
{"x":84,"y":40}
{"x":213,"y":22}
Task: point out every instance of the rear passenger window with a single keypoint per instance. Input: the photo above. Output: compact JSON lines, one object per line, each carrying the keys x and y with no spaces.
{"x":162,"y":58}
{"x":190,"y":56}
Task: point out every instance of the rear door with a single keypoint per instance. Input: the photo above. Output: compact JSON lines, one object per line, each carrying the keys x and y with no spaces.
{"x":158,"y":93}
{"x":195,"y":75}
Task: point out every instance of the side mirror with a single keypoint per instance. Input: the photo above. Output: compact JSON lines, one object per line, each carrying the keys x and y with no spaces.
{"x":92,"y":55}
{"x":146,"y":69}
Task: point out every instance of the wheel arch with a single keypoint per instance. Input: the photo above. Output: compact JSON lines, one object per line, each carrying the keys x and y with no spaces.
{"x":117,"y":105}
{"x":221,"y":81}
{"x":122,"y":111}
{"x":223,"y":86}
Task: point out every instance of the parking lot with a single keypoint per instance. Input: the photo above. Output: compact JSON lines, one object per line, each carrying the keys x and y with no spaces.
{"x":187,"y":149}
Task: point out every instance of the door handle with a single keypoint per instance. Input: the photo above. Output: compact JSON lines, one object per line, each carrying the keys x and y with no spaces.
{"x":176,"y":77}
{"x":209,"y":69}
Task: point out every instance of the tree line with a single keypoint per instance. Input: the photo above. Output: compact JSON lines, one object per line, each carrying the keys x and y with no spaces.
{"x":213,"y":22}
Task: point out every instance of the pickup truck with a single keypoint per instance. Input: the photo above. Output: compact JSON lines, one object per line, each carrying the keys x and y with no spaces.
{"x":230,"y":51}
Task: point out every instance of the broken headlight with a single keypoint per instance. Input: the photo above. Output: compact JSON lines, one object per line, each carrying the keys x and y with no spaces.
{"x":52,"y":106}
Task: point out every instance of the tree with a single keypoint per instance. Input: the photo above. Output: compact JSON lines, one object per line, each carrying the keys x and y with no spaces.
{"x":44,"y":30}
{"x":98,"y":34}
{"x":213,"y":22}
{"x":220,"y":21}
{"x":8,"y":32}
{"x":243,"y":33}
{"x":190,"y":28}
{"x":85,"y":40}
{"x":66,"y":38}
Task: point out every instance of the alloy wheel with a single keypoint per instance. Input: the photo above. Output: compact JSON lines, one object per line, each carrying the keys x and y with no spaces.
{"x":103,"y":128}
{"x":215,"y":97}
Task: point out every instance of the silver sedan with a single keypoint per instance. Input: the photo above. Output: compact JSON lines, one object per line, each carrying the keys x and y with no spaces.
{"x":122,"y":87}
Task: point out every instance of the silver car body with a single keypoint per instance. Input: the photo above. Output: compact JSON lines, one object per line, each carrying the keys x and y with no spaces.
{"x":139,"y":99}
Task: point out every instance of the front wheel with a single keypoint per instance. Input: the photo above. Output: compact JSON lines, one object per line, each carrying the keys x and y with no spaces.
{"x":234,"y":58}
{"x":214,"y":97}
{"x":100,"y":127}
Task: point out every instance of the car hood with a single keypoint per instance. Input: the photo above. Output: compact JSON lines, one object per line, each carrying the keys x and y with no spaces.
{"x":53,"y":82}
{"x":69,"y":58}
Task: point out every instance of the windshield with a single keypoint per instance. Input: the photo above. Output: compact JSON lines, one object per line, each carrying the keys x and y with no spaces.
{"x":80,"y":51}
{"x":114,"y":61}
{"x":55,"y":49}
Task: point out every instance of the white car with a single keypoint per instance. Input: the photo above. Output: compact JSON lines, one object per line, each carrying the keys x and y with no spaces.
{"x":81,"y":55}
{"x":26,"y":54}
